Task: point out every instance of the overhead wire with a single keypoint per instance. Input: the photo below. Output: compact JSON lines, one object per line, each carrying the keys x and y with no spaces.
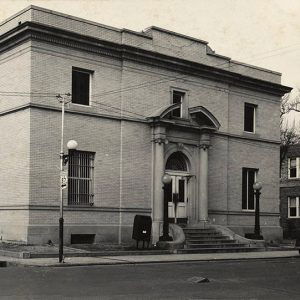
{"x":140,"y":85}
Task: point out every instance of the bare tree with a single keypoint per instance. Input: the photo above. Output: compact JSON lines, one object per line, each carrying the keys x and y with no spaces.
{"x":288,"y":134}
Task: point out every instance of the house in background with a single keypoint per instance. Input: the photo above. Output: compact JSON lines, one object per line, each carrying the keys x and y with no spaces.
{"x":290,"y":192}
{"x":142,"y":104}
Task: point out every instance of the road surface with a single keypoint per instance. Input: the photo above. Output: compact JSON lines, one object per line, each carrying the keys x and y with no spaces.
{"x":259,"y":279}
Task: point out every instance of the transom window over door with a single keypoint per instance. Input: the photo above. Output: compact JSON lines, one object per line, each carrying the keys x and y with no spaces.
{"x":176,"y":162}
{"x":81,"y":178}
{"x":248,"y":179}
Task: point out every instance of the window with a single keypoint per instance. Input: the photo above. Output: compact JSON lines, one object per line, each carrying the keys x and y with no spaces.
{"x":177,"y":162}
{"x":293,"y":207}
{"x":293,"y":167}
{"x":177,"y":97}
{"x":81,"y":86}
{"x":248,"y":178}
{"x":81,"y":178}
{"x":249,"y":117}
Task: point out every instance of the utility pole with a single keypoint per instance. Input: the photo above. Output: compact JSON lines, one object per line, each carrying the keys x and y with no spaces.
{"x":63,"y":100}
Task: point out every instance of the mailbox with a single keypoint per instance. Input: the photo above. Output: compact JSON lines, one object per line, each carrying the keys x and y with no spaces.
{"x":142,"y":229}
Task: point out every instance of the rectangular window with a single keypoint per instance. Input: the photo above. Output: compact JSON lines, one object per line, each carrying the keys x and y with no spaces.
{"x":177,"y":97}
{"x":293,"y":207}
{"x":81,"y":86}
{"x":293,"y":167}
{"x":248,"y":179}
{"x":249,"y":117}
{"x":81,"y":178}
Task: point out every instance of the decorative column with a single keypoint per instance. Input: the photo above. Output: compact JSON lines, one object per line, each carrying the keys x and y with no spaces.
{"x":159,"y":170}
{"x":203,"y":178}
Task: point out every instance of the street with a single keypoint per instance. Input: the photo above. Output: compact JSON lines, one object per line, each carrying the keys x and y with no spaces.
{"x":259,"y":279}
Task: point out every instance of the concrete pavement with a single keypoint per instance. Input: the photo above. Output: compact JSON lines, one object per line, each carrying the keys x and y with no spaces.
{"x":145,"y":259}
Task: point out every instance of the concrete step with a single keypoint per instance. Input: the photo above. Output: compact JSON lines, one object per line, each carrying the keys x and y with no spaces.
{"x":210,"y":241}
{"x":199,"y":230}
{"x":200,"y":236}
{"x":219,"y":250}
{"x":221,"y":245}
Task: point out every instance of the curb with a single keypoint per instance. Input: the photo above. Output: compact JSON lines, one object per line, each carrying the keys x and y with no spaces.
{"x":126,"y":262}
{"x":29,"y":255}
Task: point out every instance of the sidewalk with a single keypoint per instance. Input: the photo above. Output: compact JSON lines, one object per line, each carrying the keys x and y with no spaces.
{"x":144,"y":259}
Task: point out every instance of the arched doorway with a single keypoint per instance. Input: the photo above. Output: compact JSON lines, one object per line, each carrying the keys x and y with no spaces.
{"x":177,"y":166}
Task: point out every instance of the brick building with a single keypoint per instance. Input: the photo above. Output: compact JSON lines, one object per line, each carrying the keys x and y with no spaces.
{"x":142,"y":104}
{"x":290,"y":192}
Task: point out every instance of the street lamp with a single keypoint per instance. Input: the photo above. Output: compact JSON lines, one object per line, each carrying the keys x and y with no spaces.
{"x":257,"y":187}
{"x":71,"y":145}
{"x":166,"y":179}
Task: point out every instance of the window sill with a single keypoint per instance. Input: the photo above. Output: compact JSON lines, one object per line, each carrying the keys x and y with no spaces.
{"x":248,"y":210}
{"x":294,"y":217}
{"x":80,"y":205}
{"x":250,"y":133}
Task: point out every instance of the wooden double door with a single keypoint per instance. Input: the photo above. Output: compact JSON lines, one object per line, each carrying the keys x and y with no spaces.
{"x":177,"y":194}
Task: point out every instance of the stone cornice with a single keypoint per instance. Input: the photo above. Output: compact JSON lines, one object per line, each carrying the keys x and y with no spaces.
{"x":36,"y":31}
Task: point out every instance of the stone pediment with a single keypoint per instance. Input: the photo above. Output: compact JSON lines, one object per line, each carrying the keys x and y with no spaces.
{"x":198,"y":117}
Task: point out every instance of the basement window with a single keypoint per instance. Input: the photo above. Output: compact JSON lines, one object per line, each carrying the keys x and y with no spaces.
{"x":82,"y":238}
{"x":81,"y":86}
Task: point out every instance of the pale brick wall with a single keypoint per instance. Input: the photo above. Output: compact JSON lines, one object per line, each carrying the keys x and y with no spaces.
{"x":267,"y":113}
{"x":15,"y":174}
{"x":14,"y":167}
{"x":15,"y":77}
{"x":254,"y":155}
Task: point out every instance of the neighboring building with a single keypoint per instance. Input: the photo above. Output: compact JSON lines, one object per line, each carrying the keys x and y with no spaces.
{"x":290,"y":192}
{"x":143,"y":103}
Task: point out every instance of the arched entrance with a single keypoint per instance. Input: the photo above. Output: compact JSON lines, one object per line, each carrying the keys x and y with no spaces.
{"x":176,"y":192}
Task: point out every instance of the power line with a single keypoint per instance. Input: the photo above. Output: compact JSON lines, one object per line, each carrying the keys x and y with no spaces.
{"x":145,"y":84}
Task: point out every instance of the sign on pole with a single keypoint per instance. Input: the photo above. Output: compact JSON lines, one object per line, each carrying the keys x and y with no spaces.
{"x":64,"y":179}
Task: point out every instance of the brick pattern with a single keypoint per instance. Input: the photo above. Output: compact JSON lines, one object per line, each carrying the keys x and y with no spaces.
{"x":289,"y":188}
{"x":15,"y":159}
{"x":15,"y":77}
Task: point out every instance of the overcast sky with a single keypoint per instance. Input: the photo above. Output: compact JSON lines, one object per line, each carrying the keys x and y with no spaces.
{"x":265,"y":33}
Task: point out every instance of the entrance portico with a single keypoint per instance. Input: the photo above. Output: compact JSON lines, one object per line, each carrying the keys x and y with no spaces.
{"x":187,"y":163}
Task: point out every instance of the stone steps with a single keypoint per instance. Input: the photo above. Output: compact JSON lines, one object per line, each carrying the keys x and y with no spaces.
{"x":209,"y":240}
{"x":219,"y":250}
{"x":216,"y":245}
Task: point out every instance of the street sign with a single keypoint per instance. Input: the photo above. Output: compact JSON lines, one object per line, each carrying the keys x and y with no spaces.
{"x":64,"y":179}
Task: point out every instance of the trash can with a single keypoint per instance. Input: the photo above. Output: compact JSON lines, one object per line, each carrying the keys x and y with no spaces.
{"x":142,"y":229}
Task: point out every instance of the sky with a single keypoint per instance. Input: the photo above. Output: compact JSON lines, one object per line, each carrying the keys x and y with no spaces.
{"x":265,"y":33}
